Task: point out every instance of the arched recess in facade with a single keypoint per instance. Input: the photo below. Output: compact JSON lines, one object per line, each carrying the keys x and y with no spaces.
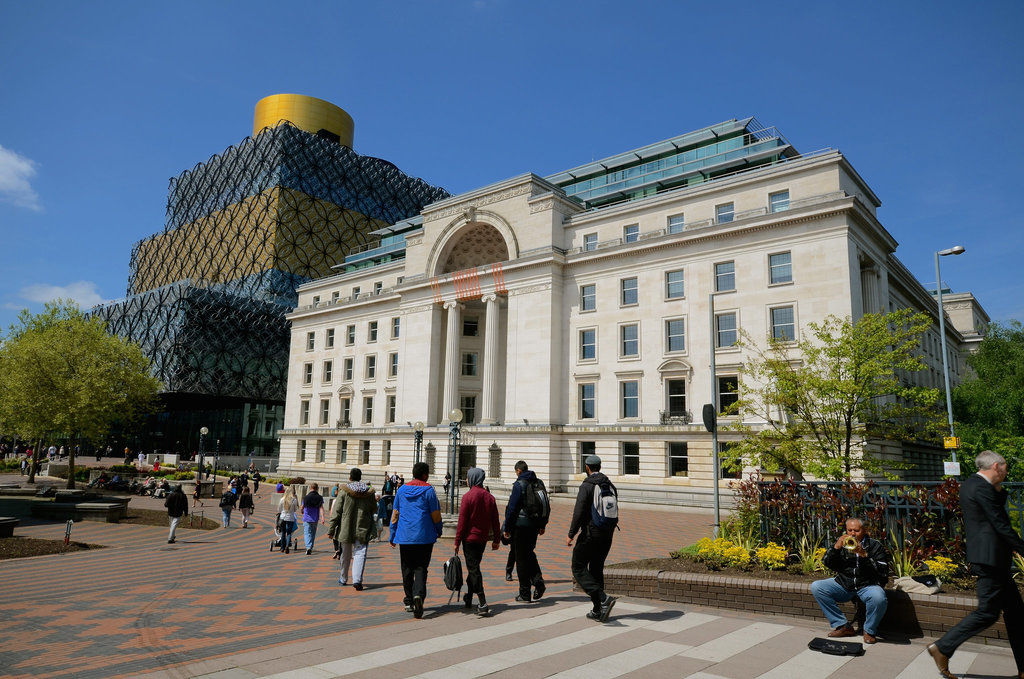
{"x":474,"y":238}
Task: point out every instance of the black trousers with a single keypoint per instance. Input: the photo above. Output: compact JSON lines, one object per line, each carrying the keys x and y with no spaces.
{"x":415,"y":560}
{"x":474,"y":552}
{"x":588,"y":562}
{"x":996,"y":592}
{"x":527,"y":568}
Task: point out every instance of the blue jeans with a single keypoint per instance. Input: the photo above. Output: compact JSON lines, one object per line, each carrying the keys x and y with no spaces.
{"x":829,"y":594}
{"x":309,"y":533}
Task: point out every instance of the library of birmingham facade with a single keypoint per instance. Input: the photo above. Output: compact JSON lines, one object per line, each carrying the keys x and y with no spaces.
{"x":569,"y":315}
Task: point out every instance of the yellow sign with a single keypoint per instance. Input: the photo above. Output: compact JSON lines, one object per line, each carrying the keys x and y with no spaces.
{"x":951,"y":442}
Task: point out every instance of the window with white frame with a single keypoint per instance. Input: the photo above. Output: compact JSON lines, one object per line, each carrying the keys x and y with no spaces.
{"x":310,"y":341}
{"x":347,"y":369}
{"x":396,"y":327}
{"x":730,"y":470}
{"x":725,"y":276}
{"x":371,"y":367}
{"x":675,"y":397}
{"x":783,"y":325}
{"x":630,"y":399}
{"x":302,"y":450}
{"x":328,"y":372}
{"x":588,"y":297}
{"x":588,"y":344}
{"x":316,"y":300}
{"x":364,"y":452}
{"x":631,"y":233}
{"x":675,"y":334}
{"x":676,"y":224}
{"x":342,"y":452}
{"x":335,"y":296}
{"x":588,"y":401}
{"x":367,"y":410}
{"x":630,"y":457}
{"x":371,"y":332}
{"x":377,"y":287}
{"x":470,"y":326}
{"x":630,"y":293}
{"x":355,"y":291}
{"x":386,"y":459}
{"x":392,"y":408}
{"x":589,"y":242}
{"x":346,"y":412}
{"x":470,"y":360}
{"x":304,"y":413}
{"x":728,"y":391}
{"x":329,"y":338}
{"x":325,"y":412}
{"x":586,"y":449}
{"x":779,"y":201}
{"x":350,"y":335}
{"x":726,"y":331}
{"x":724,"y":213}
{"x":674,"y":284}
{"x":321,"y":455}
{"x":467,"y":404}
{"x":393,"y":364}
{"x":780,"y":267}
{"x":678,"y":459}
{"x":629,"y":346}
{"x":307,"y":373}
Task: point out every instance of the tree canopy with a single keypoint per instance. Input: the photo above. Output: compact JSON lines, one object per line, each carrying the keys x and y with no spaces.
{"x":817,"y":400}
{"x":63,"y":374}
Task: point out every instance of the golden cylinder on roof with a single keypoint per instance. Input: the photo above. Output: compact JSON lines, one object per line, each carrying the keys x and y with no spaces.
{"x":306,"y":113}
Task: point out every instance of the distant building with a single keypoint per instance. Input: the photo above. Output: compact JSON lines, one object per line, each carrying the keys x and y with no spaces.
{"x":209,"y":293}
{"x":570,"y":315}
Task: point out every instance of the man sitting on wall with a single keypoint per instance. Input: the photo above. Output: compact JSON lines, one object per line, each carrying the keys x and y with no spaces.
{"x":862,"y":569}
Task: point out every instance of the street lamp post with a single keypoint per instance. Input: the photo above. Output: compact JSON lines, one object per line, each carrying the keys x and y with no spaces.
{"x":417,"y":438}
{"x":454,"y":432}
{"x":716,"y":464}
{"x":956,"y":250}
{"x":202,"y":449}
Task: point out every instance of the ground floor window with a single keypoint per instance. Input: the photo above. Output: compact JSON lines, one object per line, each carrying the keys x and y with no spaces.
{"x":387,"y":454}
{"x":630,"y":457}
{"x":586,"y":448}
{"x":678,"y":459}
{"x":342,"y":452}
{"x":728,"y":470}
{"x":321,"y":455}
{"x":364,"y":452}
{"x":302,"y":450}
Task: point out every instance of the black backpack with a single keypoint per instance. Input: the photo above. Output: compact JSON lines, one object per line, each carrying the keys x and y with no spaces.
{"x":535,"y":503}
{"x":227,"y":499}
{"x":453,"y":576}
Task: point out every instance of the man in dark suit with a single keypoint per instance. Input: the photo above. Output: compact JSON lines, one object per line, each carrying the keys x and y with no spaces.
{"x":990,"y":543}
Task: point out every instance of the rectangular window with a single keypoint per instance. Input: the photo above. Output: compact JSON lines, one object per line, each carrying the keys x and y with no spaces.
{"x":371,"y":332}
{"x":675,"y":335}
{"x":725,"y":330}
{"x":631,"y":233}
{"x":329,"y":338}
{"x":778,"y":202}
{"x":392,"y":408}
{"x":310,"y":341}
{"x":674,"y":288}
{"x":783,"y":327}
{"x":678,"y":459}
{"x":724,"y":213}
{"x":364,"y":452}
{"x":393,"y":364}
{"x":589,"y":242}
{"x":325,"y":412}
{"x":377,"y":287}
{"x":387,"y":453}
{"x":675,"y":397}
{"x":630,"y":345}
{"x":588,"y":344}
{"x":350,"y":335}
{"x":328,"y":372}
{"x":470,"y":326}
{"x":728,"y":391}
{"x":347,"y":369}
{"x":725,"y":276}
{"x":371,"y":367}
{"x":588,"y":297}
{"x":321,"y":454}
{"x":346,"y":412}
{"x":467,"y":404}
{"x":780,"y":267}
{"x":355,"y":291}
{"x":367,"y":410}
{"x":588,"y":401}
{"x":396,"y":326}
{"x":342,"y":452}
{"x":676,"y":224}
{"x":334,"y":296}
{"x":586,"y":449}
{"x":630,"y":399}
{"x":729,"y":470}
{"x":316,"y":300}
{"x":304,"y":413}
{"x":469,"y":364}
{"x":630,"y":457}
{"x":629,"y":291}
{"x":307,"y":373}
{"x":302,"y":450}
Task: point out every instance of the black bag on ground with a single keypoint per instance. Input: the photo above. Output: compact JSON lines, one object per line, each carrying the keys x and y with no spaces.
{"x":833,"y":647}
{"x":453,"y":576}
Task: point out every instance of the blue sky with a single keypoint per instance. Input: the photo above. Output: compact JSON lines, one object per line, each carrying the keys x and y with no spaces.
{"x":102,"y":103}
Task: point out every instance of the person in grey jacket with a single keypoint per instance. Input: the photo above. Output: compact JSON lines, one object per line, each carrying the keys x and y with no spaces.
{"x":353,"y":524}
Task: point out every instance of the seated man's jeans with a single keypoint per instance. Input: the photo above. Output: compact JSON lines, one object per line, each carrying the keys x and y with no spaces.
{"x":829,"y":594}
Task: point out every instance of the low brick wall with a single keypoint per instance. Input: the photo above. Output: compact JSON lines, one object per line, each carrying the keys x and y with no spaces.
{"x":911,"y":615}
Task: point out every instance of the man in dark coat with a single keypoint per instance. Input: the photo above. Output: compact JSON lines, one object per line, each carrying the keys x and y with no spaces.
{"x":594,"y":542}
{"x":523,"y":532}
{"x":991,"y":540}
{"x":177,"y":507}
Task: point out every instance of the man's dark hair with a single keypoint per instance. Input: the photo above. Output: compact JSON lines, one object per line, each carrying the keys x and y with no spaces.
{"x":420,"y":471}
{"x":521,"y":466}
{"x":596,"y":467}
{"x":355,"y":474}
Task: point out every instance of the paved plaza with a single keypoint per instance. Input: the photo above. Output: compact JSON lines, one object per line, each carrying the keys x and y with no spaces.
{"x":221,"y":605}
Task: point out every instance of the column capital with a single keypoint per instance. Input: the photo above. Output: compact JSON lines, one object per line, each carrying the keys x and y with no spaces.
{"x":490,"y":298}
{"x":453,"y":304}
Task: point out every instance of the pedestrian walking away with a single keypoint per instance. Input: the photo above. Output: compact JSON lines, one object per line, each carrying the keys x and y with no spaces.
{"x":353,"y":524}
{"x":415,"y":527}
{"x":312,"y":514}
{"x":478,"y":524}
{"x":227,"y":504}
{"x":526,"y":517}
{"x":177,"y":507}
{"x":991,"y":540}
{"x":196,"y":493}
{"x":287,"y":507}
{"x":246,"y":505}
{"x":595,"y":517}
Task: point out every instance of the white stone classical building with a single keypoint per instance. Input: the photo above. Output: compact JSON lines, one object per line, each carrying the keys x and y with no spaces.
{"x":570,"y":315}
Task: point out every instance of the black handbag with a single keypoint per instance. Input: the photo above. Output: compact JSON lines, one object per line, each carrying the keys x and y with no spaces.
{"x":833,"y":647}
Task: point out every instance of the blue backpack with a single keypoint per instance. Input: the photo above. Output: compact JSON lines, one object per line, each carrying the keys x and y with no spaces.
{"x":604,"y":511}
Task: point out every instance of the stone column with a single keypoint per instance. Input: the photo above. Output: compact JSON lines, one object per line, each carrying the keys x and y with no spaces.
{"x":869,"y":288}
{"x":491,"y":385}
{"x":452,"y":358}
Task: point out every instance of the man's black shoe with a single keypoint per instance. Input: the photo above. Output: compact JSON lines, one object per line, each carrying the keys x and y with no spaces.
{"x":417,"y":607}
{"x":508,"y":576}
{"x":468,"y":598}
{"x":606,"y":607}
{"x":594,"y":615}
{"x":522,"y":599}
{"x":308,"y":552}
{"x":539,"y":591}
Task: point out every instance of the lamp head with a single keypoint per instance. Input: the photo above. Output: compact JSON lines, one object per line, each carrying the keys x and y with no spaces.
{"x":455,"y":415}
{"x":204,"y":431}
{"x":955,"y":250}
{"x":418,"y":426}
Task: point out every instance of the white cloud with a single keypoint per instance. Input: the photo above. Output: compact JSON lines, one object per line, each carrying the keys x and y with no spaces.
{"x":16,"y":171}
{"x":82,"y":292}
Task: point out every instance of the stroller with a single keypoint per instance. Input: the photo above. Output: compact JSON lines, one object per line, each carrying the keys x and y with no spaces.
{"x":279,"y":533}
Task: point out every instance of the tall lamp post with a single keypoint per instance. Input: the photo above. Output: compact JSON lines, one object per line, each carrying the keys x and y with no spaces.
{"x":454,"y":432}
{"x":417,"y":439}
{"x":956,"y":250}
{"x":202,"y":449}
{"x":712,"y":422}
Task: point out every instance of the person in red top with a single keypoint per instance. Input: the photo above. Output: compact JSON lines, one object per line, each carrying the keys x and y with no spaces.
{"x":478,"y":525}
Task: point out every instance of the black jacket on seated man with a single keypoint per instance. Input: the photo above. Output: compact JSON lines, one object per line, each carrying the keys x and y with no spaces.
{"x":854,"y":572}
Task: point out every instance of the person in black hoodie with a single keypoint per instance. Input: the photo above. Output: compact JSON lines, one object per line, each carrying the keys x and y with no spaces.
{"x":522,"y":532}
{"x":594,"y":541}
{"x":177,"y":507}
{"x":862,"y":568}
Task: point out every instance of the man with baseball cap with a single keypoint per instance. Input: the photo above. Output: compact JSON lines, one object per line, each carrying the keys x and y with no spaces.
{"x":595,"y":517}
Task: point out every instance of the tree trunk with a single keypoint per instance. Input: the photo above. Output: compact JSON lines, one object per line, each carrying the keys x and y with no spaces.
{"x":71,"y":465}
{"x":34,"y":463}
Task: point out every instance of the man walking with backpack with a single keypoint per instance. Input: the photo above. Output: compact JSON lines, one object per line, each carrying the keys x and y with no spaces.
{"x":595,"y":516}
{"x":526,"y":517}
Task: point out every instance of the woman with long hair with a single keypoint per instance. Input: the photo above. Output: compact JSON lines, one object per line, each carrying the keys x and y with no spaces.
{"x":287,"y":507}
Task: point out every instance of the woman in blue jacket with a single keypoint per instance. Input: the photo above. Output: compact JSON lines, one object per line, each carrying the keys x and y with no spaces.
{"x":415,"y":527}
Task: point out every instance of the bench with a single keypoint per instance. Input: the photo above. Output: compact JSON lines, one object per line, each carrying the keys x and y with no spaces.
{"x":108,"y":512}
{"x":7,"y":524}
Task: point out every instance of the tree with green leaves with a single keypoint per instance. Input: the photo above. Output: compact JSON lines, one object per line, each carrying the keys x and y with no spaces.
{"x":809,"y":406}
{"x":64,"y":374}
